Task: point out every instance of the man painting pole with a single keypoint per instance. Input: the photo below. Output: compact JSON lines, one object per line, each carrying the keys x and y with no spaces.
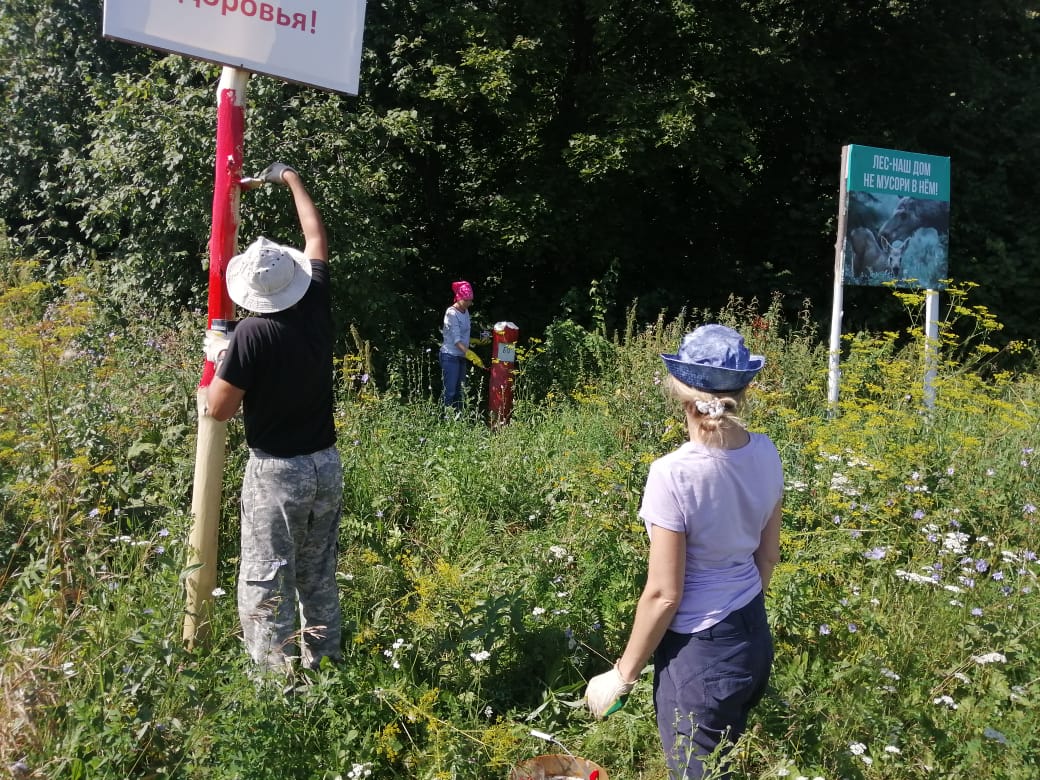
{"x":278,"y":369}
{"x":317,"y":45}
{"x":201,"y":577}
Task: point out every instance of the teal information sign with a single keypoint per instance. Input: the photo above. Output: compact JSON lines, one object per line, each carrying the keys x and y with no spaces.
{"x":897,"y":228}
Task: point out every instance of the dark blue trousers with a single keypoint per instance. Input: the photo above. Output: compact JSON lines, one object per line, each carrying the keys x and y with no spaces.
{"x":706,"y":683}
{"x":453,"y":369}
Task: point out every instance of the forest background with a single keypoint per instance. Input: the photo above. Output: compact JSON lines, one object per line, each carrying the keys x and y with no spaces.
{"x":568,"y":158}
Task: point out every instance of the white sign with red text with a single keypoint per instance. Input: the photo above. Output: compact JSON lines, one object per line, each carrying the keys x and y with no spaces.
{"x":314,"y":42}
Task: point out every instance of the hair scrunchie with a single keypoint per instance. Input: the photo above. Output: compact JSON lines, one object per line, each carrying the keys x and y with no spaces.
{"x":713,"y":409}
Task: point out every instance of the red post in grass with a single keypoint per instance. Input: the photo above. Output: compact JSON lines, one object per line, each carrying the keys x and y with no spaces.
{"x":201,"y":576}
{"x":503,"y":361}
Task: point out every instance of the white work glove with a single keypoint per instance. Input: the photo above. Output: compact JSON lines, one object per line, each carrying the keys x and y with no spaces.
{"x":607,"y":692}
{"x":215,"y":345}
{"x":273,"y":173}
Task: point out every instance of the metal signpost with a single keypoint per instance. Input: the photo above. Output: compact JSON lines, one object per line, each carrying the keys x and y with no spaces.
{"x":317,"y":43}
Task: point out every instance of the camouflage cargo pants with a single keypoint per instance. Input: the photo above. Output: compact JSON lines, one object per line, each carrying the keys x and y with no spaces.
{"x":290,"y":532}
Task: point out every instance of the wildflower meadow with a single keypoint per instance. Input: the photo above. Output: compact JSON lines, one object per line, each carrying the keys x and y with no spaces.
{"x":485,"y":574}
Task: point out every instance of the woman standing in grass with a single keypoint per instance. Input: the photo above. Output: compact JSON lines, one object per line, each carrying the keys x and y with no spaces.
{"x":712,"y":510}
{"x":455,"y":349}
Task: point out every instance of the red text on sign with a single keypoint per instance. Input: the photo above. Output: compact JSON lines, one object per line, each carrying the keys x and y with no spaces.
{"x":265,"y":12}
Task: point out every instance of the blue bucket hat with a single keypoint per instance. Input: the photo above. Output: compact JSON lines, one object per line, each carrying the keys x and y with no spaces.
{"x":713,"y":358}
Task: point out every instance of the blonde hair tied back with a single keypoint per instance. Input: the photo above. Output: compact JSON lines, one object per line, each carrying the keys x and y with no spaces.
{"x":710,"y":411}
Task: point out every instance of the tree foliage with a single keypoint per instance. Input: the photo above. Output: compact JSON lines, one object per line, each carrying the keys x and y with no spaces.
{"x":555,"y":154}
{"x":52,"y":58}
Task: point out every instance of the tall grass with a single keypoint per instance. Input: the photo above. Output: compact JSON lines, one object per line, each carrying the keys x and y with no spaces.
{"x":485,"y":575}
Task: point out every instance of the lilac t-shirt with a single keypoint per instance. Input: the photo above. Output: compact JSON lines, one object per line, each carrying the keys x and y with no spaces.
{"x":722,"y":500}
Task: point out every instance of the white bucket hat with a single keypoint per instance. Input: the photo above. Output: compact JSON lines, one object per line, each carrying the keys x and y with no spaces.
{"x":268,"y":277}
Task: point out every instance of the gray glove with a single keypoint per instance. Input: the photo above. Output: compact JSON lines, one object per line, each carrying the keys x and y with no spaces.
{"x":273,"y":173}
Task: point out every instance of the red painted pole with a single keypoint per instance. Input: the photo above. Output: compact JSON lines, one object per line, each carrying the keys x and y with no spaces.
{"x":210,"y":444}
{"x":503,"y":361}
{"x":231,"y":124}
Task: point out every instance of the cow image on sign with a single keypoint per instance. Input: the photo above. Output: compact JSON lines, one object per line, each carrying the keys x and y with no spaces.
{"x":912,"y":214}
{"x":313,"y":42}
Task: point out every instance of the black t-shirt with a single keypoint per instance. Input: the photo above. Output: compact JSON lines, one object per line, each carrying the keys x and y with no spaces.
{"x":283,"y":362}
